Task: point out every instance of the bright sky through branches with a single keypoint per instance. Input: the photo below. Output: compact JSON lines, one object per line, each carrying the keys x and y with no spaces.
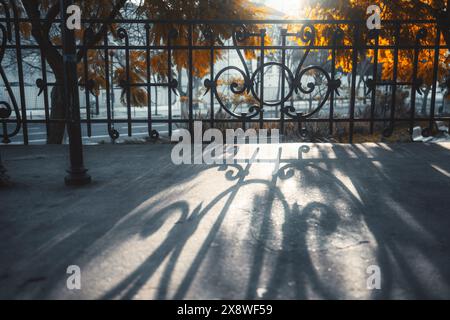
{"x":292,"y":8}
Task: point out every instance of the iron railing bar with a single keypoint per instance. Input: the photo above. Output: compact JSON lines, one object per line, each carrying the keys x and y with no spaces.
{"x":353,"y":84}
{"x":212,"y":47}
{"x":128,"y":82}
{"x":211,"y":71}
{"x":333,"y":78}
{"x":262,"y":58}
{"x":414,"y":85}
{"x":227,"y":22}
{"x":169,"y":79}
{"x":394,"y":79}
{"x":283,"y":79}
{"x":86,"y":91}
{"x":435,"y":77}
{"x":18,"y":48}
{"x":45,"y":93}
{"x":241,"y":47}
{"x":191,"y":80}
{"x":237,"y":120}
{"x":148,"y":84}
{"x":374,"y":79}
{"x":108,"y":88}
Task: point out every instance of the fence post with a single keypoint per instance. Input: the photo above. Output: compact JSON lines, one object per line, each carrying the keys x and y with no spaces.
{"x":77,"y":173}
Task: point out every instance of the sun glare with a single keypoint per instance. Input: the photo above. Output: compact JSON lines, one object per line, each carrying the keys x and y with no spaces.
{"x":292,"y":8}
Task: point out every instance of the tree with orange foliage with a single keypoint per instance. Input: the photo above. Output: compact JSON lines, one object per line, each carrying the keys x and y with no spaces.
{"x":46,"y":33}
{"x":437,"y":10}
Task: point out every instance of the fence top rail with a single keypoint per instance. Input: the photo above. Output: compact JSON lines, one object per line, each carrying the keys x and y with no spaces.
{"x":241,"y":47}
{"x":229,"y":21}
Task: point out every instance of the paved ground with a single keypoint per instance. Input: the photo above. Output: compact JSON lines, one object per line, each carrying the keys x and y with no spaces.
{"x":309,"y":229}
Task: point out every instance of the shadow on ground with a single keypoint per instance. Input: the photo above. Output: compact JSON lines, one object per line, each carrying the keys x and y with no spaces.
{"x":306,"y":229}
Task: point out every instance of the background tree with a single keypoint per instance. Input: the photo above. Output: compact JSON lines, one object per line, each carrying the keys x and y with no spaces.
{"x":438,"y":10}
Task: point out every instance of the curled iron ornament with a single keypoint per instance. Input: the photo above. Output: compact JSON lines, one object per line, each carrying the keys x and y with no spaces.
{"x":123,"y":35}
{"x":5,"y":110}
{"x":235,"y":87}
{"x":247,"y":84}
{"x":125,"y":83}
{"x":310,"y":88}
{"x":308,"y":33}
{"x":290,"y":81}
{"x":154,"y":135}
{"x":173,"y":85}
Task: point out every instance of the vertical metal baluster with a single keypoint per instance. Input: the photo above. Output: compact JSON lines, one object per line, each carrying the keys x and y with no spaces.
{"x":261,"y":113}
{"x":191,"y":80}
{"x":353,"y":85}
{"x":435,"y":76}
{"x":283,"y":80}
{"x":333,"y":76}
{"x":395,"y":76}
{"x":375,"y":79}
{"x":108,"y":87}
{"x":20,"y":72}
{"x":169,"y":79}
{"x":414,"y":83}
{"x":87,"y":86}
{"x":149,"y":87}
{"x":123,"y":35}
{"x":211,"y":93}
{"x":45,"y":92}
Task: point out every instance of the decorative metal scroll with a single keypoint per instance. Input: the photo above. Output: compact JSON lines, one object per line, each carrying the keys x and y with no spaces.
{"x":294,"y":82}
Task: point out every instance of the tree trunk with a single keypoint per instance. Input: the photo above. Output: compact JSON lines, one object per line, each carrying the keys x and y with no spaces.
{"x":423,"y":110}
{"x":57,"y":112}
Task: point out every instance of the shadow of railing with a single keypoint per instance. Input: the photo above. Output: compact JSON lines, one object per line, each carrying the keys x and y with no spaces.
{"x":294,"y":252}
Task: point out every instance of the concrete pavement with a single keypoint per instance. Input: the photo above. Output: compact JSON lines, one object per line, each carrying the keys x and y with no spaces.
{"x":147,"y":229}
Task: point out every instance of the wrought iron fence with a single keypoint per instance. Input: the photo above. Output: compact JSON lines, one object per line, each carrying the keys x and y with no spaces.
{"x":320,"y":77}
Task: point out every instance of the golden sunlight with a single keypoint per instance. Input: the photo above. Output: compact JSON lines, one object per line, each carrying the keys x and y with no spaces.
{"x":292,"y":8}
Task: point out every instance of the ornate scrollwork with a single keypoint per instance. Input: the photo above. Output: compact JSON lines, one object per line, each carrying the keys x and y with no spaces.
{"x":240,"y":34}
{"x":294,"y":80}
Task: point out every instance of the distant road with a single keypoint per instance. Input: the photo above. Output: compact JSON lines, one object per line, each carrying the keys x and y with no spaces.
{"x":37,"y":132}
